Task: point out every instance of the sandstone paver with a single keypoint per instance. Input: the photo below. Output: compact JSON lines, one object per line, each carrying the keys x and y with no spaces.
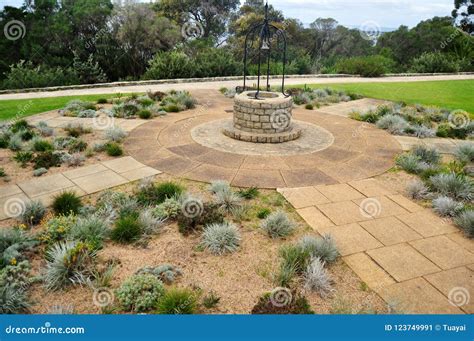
{"x":339,"y":192}
{"x":99,"y":181}
{"x":345,"y":212}
{"x":306,"y":177}
{"x":84,"y":171}
{"x":47,"y":199}
{"x":390,"y":230}
{"x":9,"y":190}
{"x":403,"y":262}
{"x":315,"y":218}
{"x":443,"y":252}
{"x":301,"y":197}
{"x":380,"y":207}
{"x":371,"y":188}
{"x":140,"y":173}
{"x":351,"y":239}
{"x":205,"y":171}
{"x":371,"y":273}
{"x":417,"y":296}
{"x":405,"y":203}
{"x":48,"y":184}
{"x":266,"y":179}
{"x":123,"y":164}
{"x":461,"y":239}
{"x":457,"y":285}
{"x":427,"y":223}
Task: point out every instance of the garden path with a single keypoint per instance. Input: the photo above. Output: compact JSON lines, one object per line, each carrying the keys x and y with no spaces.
{"x":409,"y":256}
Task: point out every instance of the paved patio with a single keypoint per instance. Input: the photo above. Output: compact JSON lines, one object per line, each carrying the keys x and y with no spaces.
{"x":404,"y":252}
{"x":83,"y":180}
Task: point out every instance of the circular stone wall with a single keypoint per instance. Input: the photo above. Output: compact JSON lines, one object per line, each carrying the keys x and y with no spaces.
{"x":266,"y":119}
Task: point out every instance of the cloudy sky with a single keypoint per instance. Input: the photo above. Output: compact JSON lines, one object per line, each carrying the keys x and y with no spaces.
{"x":386,"y":13}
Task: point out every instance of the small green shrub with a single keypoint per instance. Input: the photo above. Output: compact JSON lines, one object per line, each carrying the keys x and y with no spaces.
{"x":19,"y":125}
{"x":166,"y":273}
{"x":13,"y":244}
{"x":154,"y":194}
{"x":428,"y":155}
{"x":23,"y":158}
{"x":309,"y":106}
{"x":40,"y":145}
{"x":91,"y":230}
{"x":465,"y":152}
{"x":57,"y":229}
{"x":68,"y":263}
{"x":47,"y":160}
{"x":77,"y":146}
{"x":210,"y":301}
{"x":210,"y":214}
{"x":33,"y":213}
{"x":127,"y":230}
{"x":278,"y":225}
{"x":3,"y":174}
{"x":113,"y":149}
{"x":172,"y":108}
{"x":140,"y":293}
{"x":144,"y":114}
{"x":263,"y":213}
{"x":269,"y":304}
{"x":409,"y":163}
{"x":77,"y":129}
{"x":221,"y":238}
{"x":170,"y":208}
{"x":66,"y":203}
{"x":433,"y":62}
{"x":102,"y":101}
{"x":249,"y":193}
{"x":466,"y":222}
{"x":177,"y":301}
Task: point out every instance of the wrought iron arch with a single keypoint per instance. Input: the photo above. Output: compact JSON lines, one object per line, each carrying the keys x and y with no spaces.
{"x":268,"y":38}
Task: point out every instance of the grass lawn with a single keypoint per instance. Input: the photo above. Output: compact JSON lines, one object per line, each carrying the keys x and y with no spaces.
{"x":445,"y":94}
{"x":26,"y":107}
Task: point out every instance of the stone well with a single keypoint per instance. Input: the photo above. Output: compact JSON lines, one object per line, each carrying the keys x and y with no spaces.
{"x":267,"y":119}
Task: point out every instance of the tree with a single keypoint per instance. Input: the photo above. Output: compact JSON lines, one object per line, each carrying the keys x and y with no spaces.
{"x":463,"y":14}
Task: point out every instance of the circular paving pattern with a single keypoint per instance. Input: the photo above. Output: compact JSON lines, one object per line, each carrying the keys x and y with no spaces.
{"x":313,"y":139}
{"x":358,"y":150}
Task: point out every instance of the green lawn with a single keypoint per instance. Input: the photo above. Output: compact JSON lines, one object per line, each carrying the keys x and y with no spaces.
{"x":26,"y":107}
{"x":445,"y":94}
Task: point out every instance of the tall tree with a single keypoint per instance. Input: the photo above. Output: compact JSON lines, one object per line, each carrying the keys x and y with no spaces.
{"x":463,"y":14}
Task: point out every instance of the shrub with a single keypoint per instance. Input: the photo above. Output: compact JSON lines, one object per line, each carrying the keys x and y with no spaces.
{"x":115,"y":134}
{"x":13,"y":243}
{"x":466,"y":222}
{"x":263,"y":213}
{"x":221,"y":238}
{"x":210,"y":301}
{"x":393,"y":123}
{"x":19,"y":125}
{"x":66,"y":203}
{"x":151,"y":223}
{"x":113,"y":149}
{"x":75,"y":160}
{"x":76,"y":129}
{"x":91,"y":230}
{"x":228,"y":201}
{"x":157,"y":194}
{"x":172,"y":108}
{"x":294,"y":257}
{"x":210,"y":214}
{"x":144,"y":114}
{"x":219,"y":186}
{"x":13,"y":301}
{"x":456,"y":186}
{"x":102,"y":101}
{"x":417,"y":190}
{"x":249,"y":193}
{"x":67,"y":263}
{"x":465,"y":152}
{"x":323,"y":248}
{"x":127,"y":230}
{"x":409,"y":163}
{"x":33,"y":213}
{"x":3,"y":174}
{"x":15,"y":142}
{"x":40,"y":145}
{"x":177,"y":301}
{"x":316,"y":278}
{"x":278,"y":225}
{"x":297,"y":304}
{"x":166,"y":273}
{"x":428,"y":155}
{"x":57,"y":228}
{"x":140,"y":293}
{"x":170,"y":208}
{"x":433,"y":62}
{"x":446,"y":207}
{"x":309,"y":106}
{"x":47,"y":160}
{"x":168,"y":65}
{"x":23,"y":158}
{"x":369,"y":66}
{"x":77,"y":146}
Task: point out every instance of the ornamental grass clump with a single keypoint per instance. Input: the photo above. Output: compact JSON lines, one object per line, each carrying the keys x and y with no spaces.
{"x":465,"y":152}
{"x":278,"y":225}
{"x":221,"y":238}
{"x":128,"y":229}
{"x":115,"y":134}
{"x":323,"y":248}
{"x":140,"y":293}
{"x":66,"y":203}
{"x":447,"y":207}
{"x":317,"y":278}
{"x":218,"y":186}
{"x":465,"y":221}
{"x":33,"y":213}
{"x":393,"y":123}
{"x":177,"y":301}
{"x":409,"y":163}
{"x":456,"y":186}
{"x":154,"y":194}
{"x":428,"y":155}
{"x":228,"y":201}
{"x":91,"y":230}
{"x":417,"y":190}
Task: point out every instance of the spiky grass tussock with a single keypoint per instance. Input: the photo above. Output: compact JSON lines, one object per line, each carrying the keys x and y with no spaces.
{"x":456,"y":186}
{"x":151,"y":222}
{"x":447,"y":207}
{"x":13,"y":301}
{"x":393,"y":123}
{"x":466,"y":222}
{"x":177,"y":301}
{"x":278,"y":225}
{"x":324,"y":248}
{"x":218,"y":186}
{"x":317,"y":278}
{"x":115,"y":134}
{"x":228,"y":201}
{"x":409,"y":163}
{"x":33,"y":213}
{"x":92,"y":230}
{"x":465,"y":152}
{"x":221,"y":238}
{"x":428,"y":155}
{"x":417,"y":190}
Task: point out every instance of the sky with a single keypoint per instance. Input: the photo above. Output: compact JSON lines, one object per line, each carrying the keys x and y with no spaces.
{"x":354,"y":13}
